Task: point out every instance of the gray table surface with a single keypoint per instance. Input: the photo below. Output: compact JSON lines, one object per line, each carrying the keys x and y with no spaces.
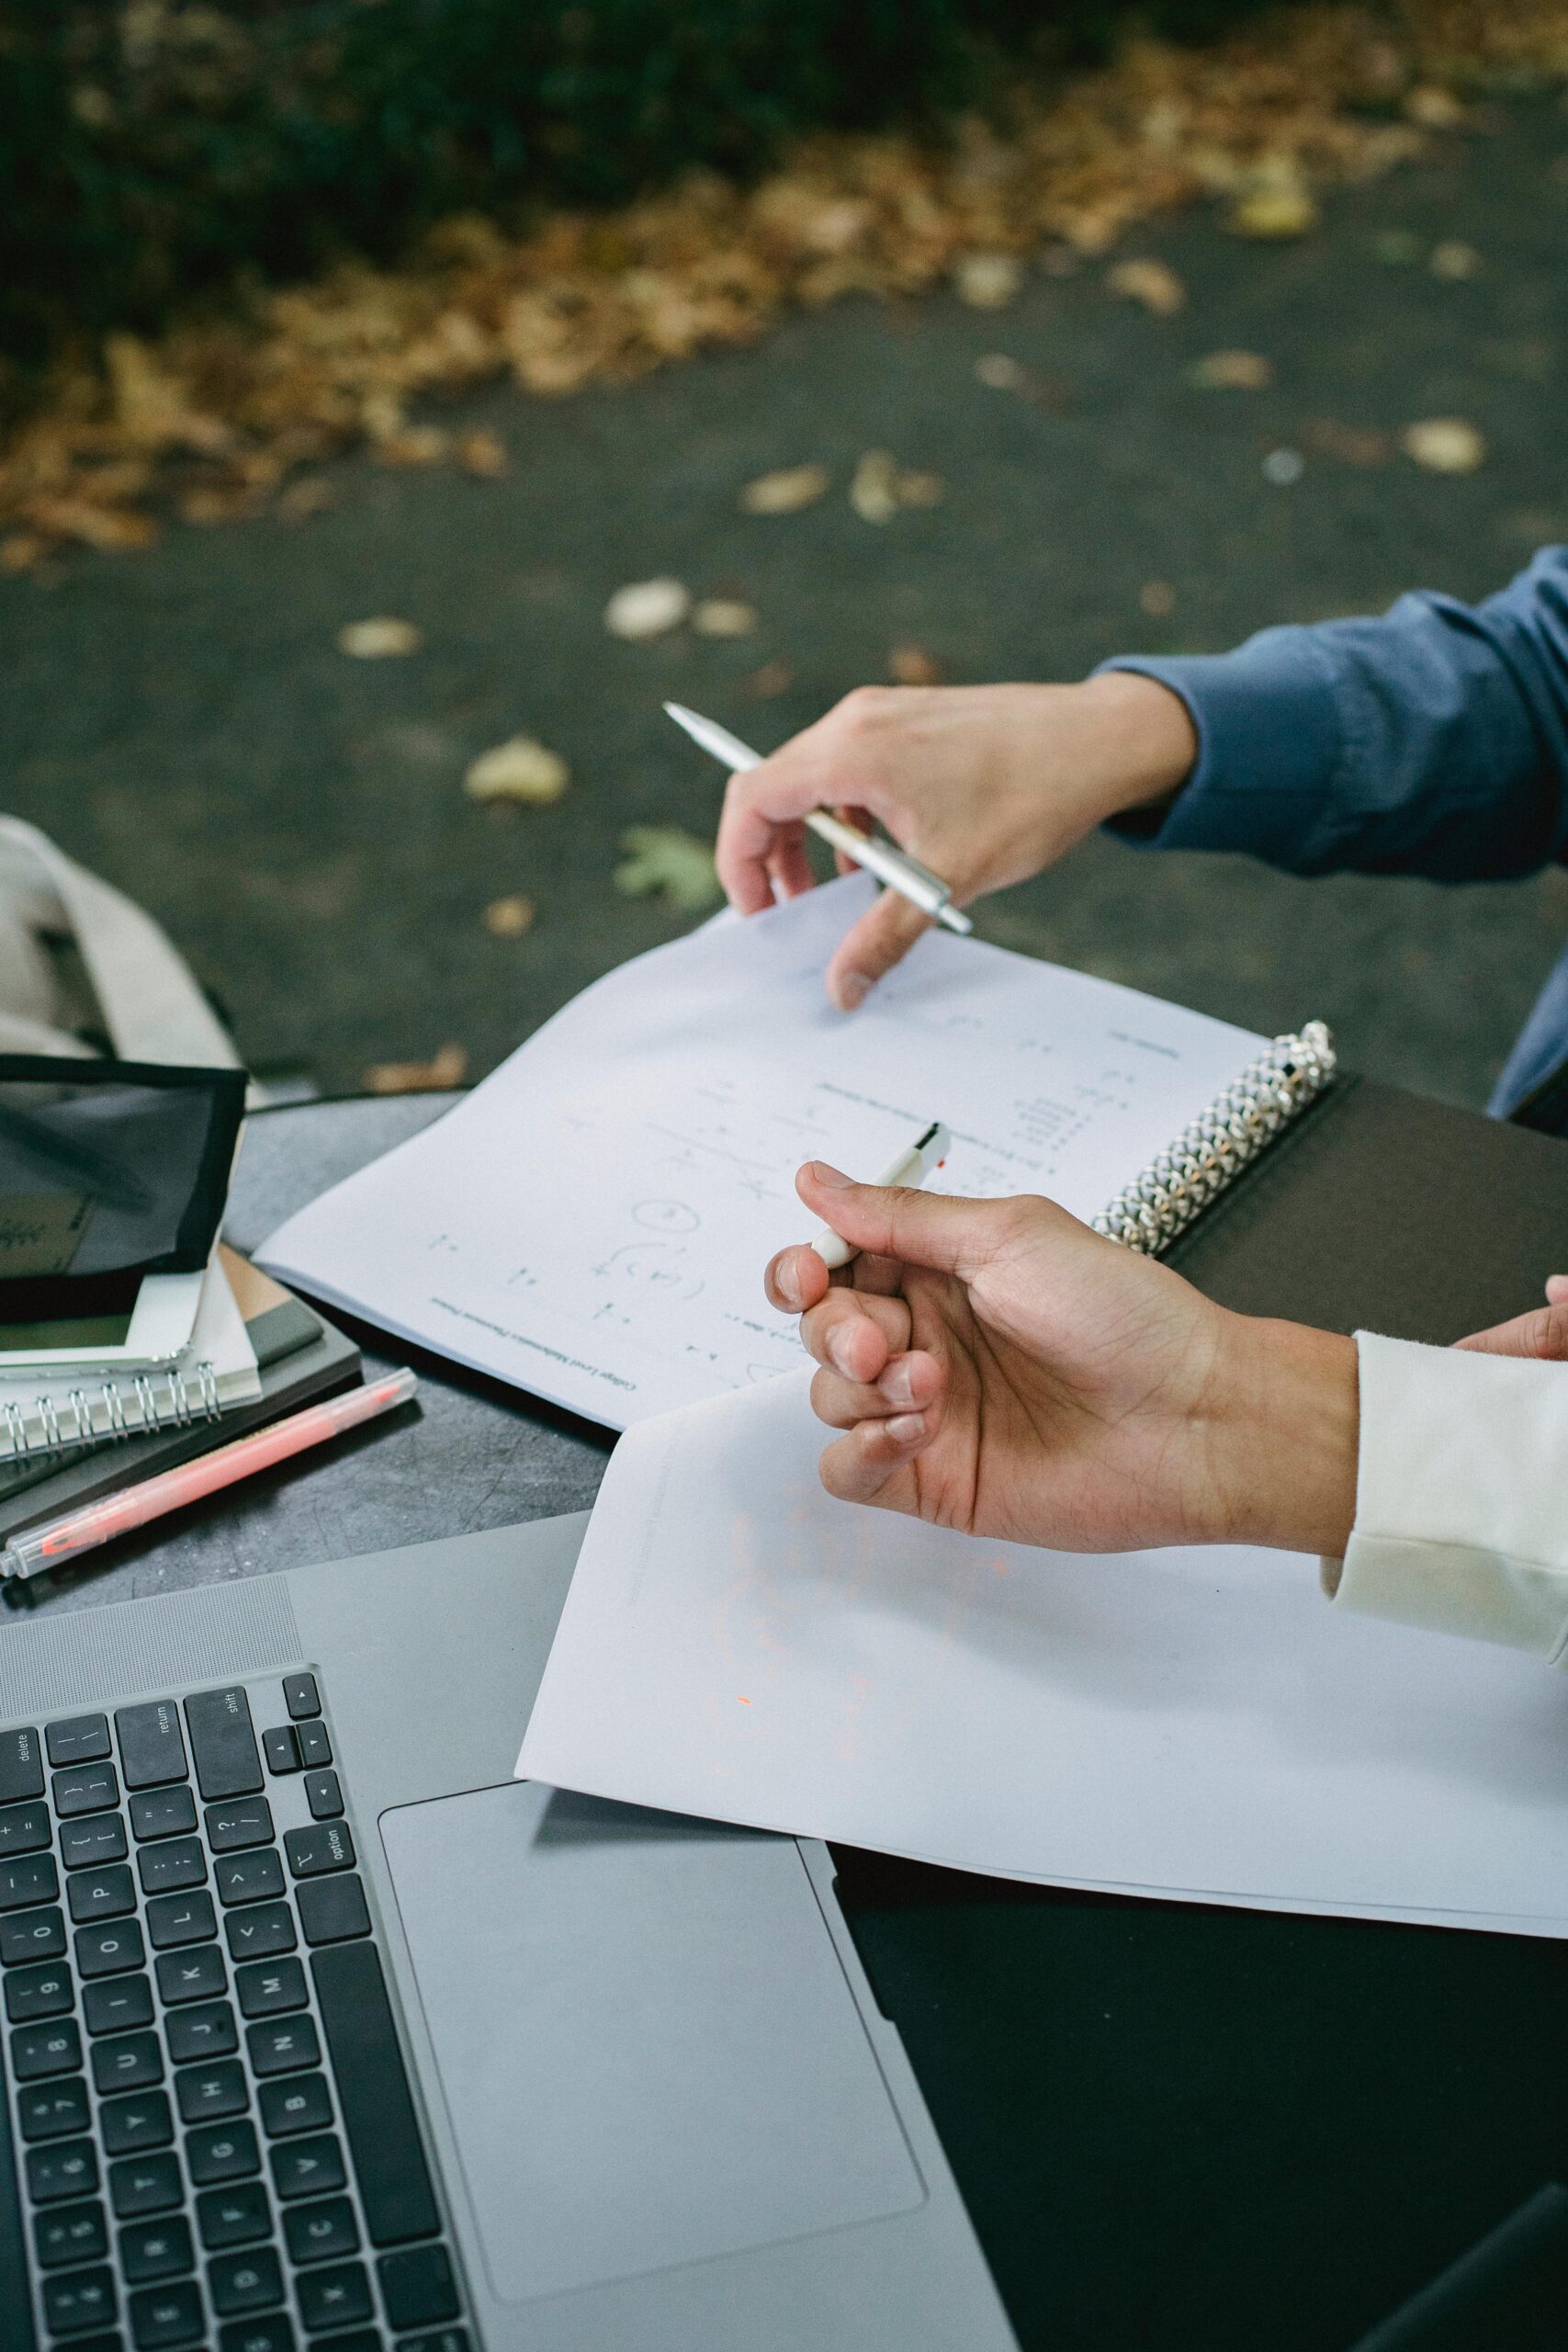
{"x":468,"y":1454}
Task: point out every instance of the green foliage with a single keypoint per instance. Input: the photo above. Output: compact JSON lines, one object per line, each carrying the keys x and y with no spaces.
{"x":153,"y":148}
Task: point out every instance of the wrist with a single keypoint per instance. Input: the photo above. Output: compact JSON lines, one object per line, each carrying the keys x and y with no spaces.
{"x":1287,"y":1439}
{"x":1146,"y":742}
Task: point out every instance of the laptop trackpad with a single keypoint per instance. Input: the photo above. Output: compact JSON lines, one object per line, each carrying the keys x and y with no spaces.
{"x":647,"y":2047}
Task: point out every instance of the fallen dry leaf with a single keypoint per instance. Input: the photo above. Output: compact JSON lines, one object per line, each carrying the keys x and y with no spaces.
{"x":646,"y":608}
{"x":510,"y":917}
{"x":415,"y":445}
{"x":1353,"y":444}
{"x":775,"y":677}
{"x":914,"y":487}
{"x":379,"y":640}
{"x":1283,"y":210}
{"x":785,"y":491}
{"x":447,"y":1067}
{"x":1434,"y":107}
{"x":724,"y":617}
{"x":1000,"y":374}
{"x":662,"y":859}
{"x":872,"y":491}
{"x":987,"y":281}
{"x":1444,"y":445}
{"x":911,"y":665}
{"x":1152,"y":283}
{"x":1232,"y":371}
{"x":521,"y":770}
{"x":1157,"y":598}
{"x":482,"y":453}
{"x":310,"y":495}
{"x":1454,"y":259}
{"x":1284,"y":468}
{"x":22,"y":550}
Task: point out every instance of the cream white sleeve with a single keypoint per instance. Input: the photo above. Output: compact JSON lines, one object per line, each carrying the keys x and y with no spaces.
{"x":1462,"y":1496}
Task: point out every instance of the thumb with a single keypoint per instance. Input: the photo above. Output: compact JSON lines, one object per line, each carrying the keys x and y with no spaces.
{"x":1541,"y":1334}
{"x":883,"y":936}
{"x":950,"y":1236}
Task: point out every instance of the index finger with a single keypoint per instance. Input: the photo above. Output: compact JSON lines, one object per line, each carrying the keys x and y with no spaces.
{"x":785,"y":788}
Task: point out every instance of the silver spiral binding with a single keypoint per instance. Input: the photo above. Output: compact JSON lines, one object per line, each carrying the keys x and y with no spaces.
{"x":1181,"y":1181}
{"x":187,"y":1397}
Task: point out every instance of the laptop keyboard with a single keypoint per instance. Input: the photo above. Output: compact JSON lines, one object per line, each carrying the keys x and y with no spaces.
{"x":214,"y":2140}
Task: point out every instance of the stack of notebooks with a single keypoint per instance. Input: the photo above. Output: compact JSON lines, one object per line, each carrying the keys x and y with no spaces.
{"x":255,"y":1353}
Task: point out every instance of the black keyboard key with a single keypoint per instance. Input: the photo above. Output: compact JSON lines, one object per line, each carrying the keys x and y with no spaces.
{"x":247,"y":1822}
{"x":109,"y":1951}
{"x":140,"y":2185}
{"x":417,"y":2286}
{"x":165,"y":2317}
{"x":332,"y":1909}
{"x":244,"y":2282}
{"x":24,"y":1828}
{"x":324,"y":1796}
{"x":49,"y":2110}
{"x":206,"y":2093}
{"x":42,"y":1990}
{"x":31,"y":1878}
{"x":302,"y":1697}
{"x":273,"y":2334}
{"x":325,"y":1846}
{"x":320,"y":2232}
{"x":195,"y":1975}
{"x":107,"y":1894}
{"x":132,"y":2062}
{"x":271,"y":1988}
{"x":222,"y":2151}
{"x":84,"y":1788}
{"x":298,"y":2103}
{"x":307,"y":2168}
{"x":261,"y":1933}
{"x":174,"y":1920}
{"x":282,"y":2046}
{"x":256,"y":1877}
{"x":38,"y":2051}
{"x":206,"y":2030}
{"x":337,"y":2296}
{"x":151,"y":1749}
{"x":21,"y":1766}
{"x":315,"y":1747}
{"x":84,"y":1739}
{"x":130,"y":2126}
{"x":281,"y":1748}
{"x":97,"y":1838}
{"x":222,"y":1743}
{"x":175,"y":1863}
{"x":55,"y":2173}
{"x":118,"y":2005}
{"x":378,"y":2111}
{"x":358,"y":2339}
{"x":236,"y":2216}
{"x":440,"y":2339}
{"x":150,"y":2250}
{"x":162,"y":1812}
{"x":75,"y":2300}
{"x":64,"y":2234}
{"x":31,"y":1935}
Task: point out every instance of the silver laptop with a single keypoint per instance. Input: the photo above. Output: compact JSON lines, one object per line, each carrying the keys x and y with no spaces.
{"x":321,"y":2031}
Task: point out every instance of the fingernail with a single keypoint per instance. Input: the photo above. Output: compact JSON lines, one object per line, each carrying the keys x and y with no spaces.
{"x":905,"y":1428}
{"x":834,"y":1178}
{"x":895,"y":1384}
{"x":853,"y":989}
{"x":839,"y":1354}
{"x":787,"y":1284}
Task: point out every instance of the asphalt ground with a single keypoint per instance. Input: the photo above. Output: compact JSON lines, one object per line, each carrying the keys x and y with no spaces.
{"x":183,"y":721}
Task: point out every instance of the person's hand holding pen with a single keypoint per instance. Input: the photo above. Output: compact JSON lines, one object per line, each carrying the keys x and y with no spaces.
{"x":997,"y":1367}
{"x":983,"y":785}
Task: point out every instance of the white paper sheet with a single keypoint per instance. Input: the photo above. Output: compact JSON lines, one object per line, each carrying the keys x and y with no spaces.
{"x":593,"y":1221}
{"x":1196,"y":1724}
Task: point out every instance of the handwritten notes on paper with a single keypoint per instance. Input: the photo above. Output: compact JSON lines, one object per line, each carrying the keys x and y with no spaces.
{"x":593,"y":1221}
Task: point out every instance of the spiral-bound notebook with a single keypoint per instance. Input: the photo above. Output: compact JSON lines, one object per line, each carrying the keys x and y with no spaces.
{"x":592,"y":1222}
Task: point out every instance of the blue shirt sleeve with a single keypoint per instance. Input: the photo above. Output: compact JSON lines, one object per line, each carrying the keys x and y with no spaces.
{"x":1433,"y":742}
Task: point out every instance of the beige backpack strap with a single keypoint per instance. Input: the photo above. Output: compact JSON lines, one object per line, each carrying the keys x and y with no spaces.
{"x":151,"y":1004}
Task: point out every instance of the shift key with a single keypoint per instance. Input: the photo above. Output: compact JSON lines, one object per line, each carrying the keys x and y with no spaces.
{"x":152,"y":1750}
{"x":223,"y":1744}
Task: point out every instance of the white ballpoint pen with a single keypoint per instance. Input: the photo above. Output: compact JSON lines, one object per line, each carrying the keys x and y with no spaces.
{"x":900,"y":872}
{"x":922,"y":1158}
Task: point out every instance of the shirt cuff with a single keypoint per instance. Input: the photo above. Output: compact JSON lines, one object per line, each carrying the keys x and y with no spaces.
{"x":1462,"y":1480}
{"x":1269,"y":743}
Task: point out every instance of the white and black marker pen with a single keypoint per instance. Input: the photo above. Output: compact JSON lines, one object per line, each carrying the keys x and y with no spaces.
{"x":923,"y":1156}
